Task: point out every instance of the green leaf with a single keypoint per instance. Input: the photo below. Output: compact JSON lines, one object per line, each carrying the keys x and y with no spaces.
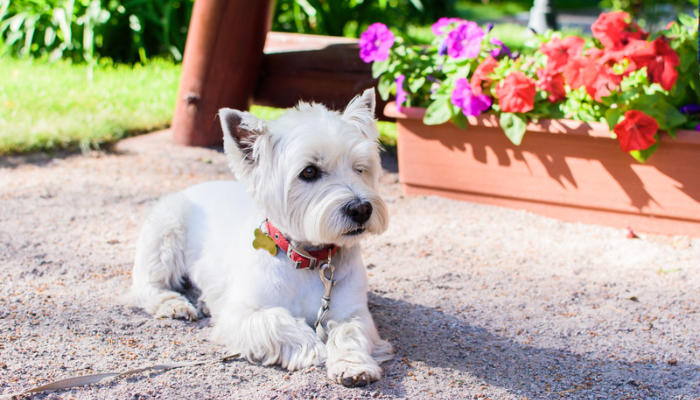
{"x":643,"y":155}
{"x":384,"y":87}
{"x":416,"y":84}
{"x":438,"y":112}
{"x":463,"y":72}
{"x":459,"y":119}
{"x":379,"y":67}
{"x":612,"y":117}
{"x":687,"y":20}
{"x":658,"y":108}
{"x":514,"y":126}
{"x":418,"y":5}
{"x":687,"y":59}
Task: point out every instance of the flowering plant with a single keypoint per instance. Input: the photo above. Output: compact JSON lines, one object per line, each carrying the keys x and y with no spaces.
{"x":623,"y":76}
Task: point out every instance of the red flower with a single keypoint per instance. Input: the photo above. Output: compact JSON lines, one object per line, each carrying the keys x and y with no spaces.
{"x":636,"y":131}
{"x":481,"y":74}
{"x":596,"y":77}
{"x":559,"y":51}
{"x":614,"y":31}
{"x":659,"y":58}
{"x":581,"y":71}
{"x":552,"y":84}
{"x":604,"y":83}
{"x":516,"y":93}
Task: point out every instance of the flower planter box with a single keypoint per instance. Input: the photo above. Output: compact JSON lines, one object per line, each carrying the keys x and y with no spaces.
{"x":563,"y":169}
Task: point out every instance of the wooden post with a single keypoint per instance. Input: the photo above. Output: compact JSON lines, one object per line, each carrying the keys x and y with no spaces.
{"x":220,"y":67}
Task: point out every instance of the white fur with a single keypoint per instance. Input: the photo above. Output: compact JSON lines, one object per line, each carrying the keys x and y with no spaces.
{"x":261,"y":306}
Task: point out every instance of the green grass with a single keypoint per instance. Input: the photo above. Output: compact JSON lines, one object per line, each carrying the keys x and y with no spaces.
{"x":387,"y":130}
{"x":267,"y":113}
{"x":51,"y":107}
{"x":46,"y":107}
{"x":493,"y":10}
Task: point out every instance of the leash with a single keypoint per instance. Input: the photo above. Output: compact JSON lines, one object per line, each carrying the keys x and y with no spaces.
{"x":272,"y":238}
{"x":94,"y":378}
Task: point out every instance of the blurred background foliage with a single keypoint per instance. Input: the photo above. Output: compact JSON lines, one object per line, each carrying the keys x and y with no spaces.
{"x":133,"y":47}
{"x":83,"y":30}
{"x":129,"y":31}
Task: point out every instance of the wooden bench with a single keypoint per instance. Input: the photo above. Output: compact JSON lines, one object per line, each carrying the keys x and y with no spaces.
{"x":232,"y":60}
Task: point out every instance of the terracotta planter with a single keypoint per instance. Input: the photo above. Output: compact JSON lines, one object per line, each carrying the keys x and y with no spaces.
{"x":563,"y":169}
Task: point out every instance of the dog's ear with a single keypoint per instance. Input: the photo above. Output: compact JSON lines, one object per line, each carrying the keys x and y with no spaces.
{"x":241,"y":131}
{"x":360,"y":112}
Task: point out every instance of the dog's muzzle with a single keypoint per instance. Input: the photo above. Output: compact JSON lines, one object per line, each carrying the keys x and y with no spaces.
{"x":359,"y":212}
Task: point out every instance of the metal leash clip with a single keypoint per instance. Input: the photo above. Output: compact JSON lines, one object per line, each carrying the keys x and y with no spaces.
{"x":326,"y":273}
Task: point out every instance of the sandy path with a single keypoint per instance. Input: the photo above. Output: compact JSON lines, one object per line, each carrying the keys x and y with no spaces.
{"x":479,"y":301}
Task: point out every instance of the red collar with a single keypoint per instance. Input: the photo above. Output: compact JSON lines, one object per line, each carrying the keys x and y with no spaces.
{"x":301,"y":258}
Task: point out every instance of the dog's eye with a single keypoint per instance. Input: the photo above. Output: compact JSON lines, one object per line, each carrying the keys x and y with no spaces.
{"x":309,"y":173}
{"x":359,"y":170}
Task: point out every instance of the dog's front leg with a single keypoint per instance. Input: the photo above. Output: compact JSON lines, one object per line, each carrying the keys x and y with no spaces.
{"x":270,"y":336}
{"x":355,"y":351}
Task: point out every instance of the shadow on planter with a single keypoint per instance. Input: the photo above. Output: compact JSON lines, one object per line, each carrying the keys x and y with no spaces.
{"x":563,"y":169}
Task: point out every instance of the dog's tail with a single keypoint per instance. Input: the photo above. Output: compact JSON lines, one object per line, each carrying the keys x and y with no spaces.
{"x":159,"y":266}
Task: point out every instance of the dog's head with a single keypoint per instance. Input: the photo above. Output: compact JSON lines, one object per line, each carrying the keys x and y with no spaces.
{"x":314,"y":172}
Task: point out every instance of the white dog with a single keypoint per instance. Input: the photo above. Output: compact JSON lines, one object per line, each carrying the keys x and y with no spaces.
{"x":311,"y":178}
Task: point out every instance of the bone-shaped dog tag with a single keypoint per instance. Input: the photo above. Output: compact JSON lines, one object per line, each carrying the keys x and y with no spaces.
{"x":262,"y":241}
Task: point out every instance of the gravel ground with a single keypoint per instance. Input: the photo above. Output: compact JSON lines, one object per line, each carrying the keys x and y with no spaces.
{"x":479,"y":301}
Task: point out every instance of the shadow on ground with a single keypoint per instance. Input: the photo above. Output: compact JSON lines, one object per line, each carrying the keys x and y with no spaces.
{"x":515,"y":367}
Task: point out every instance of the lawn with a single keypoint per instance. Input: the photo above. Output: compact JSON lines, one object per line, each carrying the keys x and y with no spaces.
{"x":46,"y":107}
{"x":49,"y":107}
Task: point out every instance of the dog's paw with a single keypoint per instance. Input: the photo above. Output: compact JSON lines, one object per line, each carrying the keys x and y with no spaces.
{"x":304,"y":356}
{"x":177,"y":308}
{"x":351,"y":374}
{"x":355,"y":381}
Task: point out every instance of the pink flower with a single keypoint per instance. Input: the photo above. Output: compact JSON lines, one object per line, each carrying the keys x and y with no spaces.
{"x":375,"y":43}
{"x":465,"y":40}
{"x":438,"y":28}
{"x":400,"y":93}
{"x":464,"y":98}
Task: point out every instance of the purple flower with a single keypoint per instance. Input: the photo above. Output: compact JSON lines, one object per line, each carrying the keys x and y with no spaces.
{"x":465,"y":40}
{"x":438,"y":27}
{"x":697,"y":127}
{"x":501,"y":49}
{"x":489,"y":26}
{"x":375,"y":43}
{"x":442,"y":48}
{"x":691,"y":108}
{"x":400,"y":93}
{"x":463,"y":97}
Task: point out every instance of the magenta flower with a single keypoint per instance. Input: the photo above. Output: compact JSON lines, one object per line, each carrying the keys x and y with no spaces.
{"x":501,"y":49}
{"x":465,"y":40}
{"x":439,"y":27}
{"x":463,"y":97}
{"x":400,"y":93}
{"x":375,"y":43}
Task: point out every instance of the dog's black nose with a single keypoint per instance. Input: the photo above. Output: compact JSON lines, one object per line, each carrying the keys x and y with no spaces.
{"x":359,"y":212}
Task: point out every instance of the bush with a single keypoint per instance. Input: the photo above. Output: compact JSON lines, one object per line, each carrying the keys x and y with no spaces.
{"x":85,"y":30}
{"x":350,"y":17}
